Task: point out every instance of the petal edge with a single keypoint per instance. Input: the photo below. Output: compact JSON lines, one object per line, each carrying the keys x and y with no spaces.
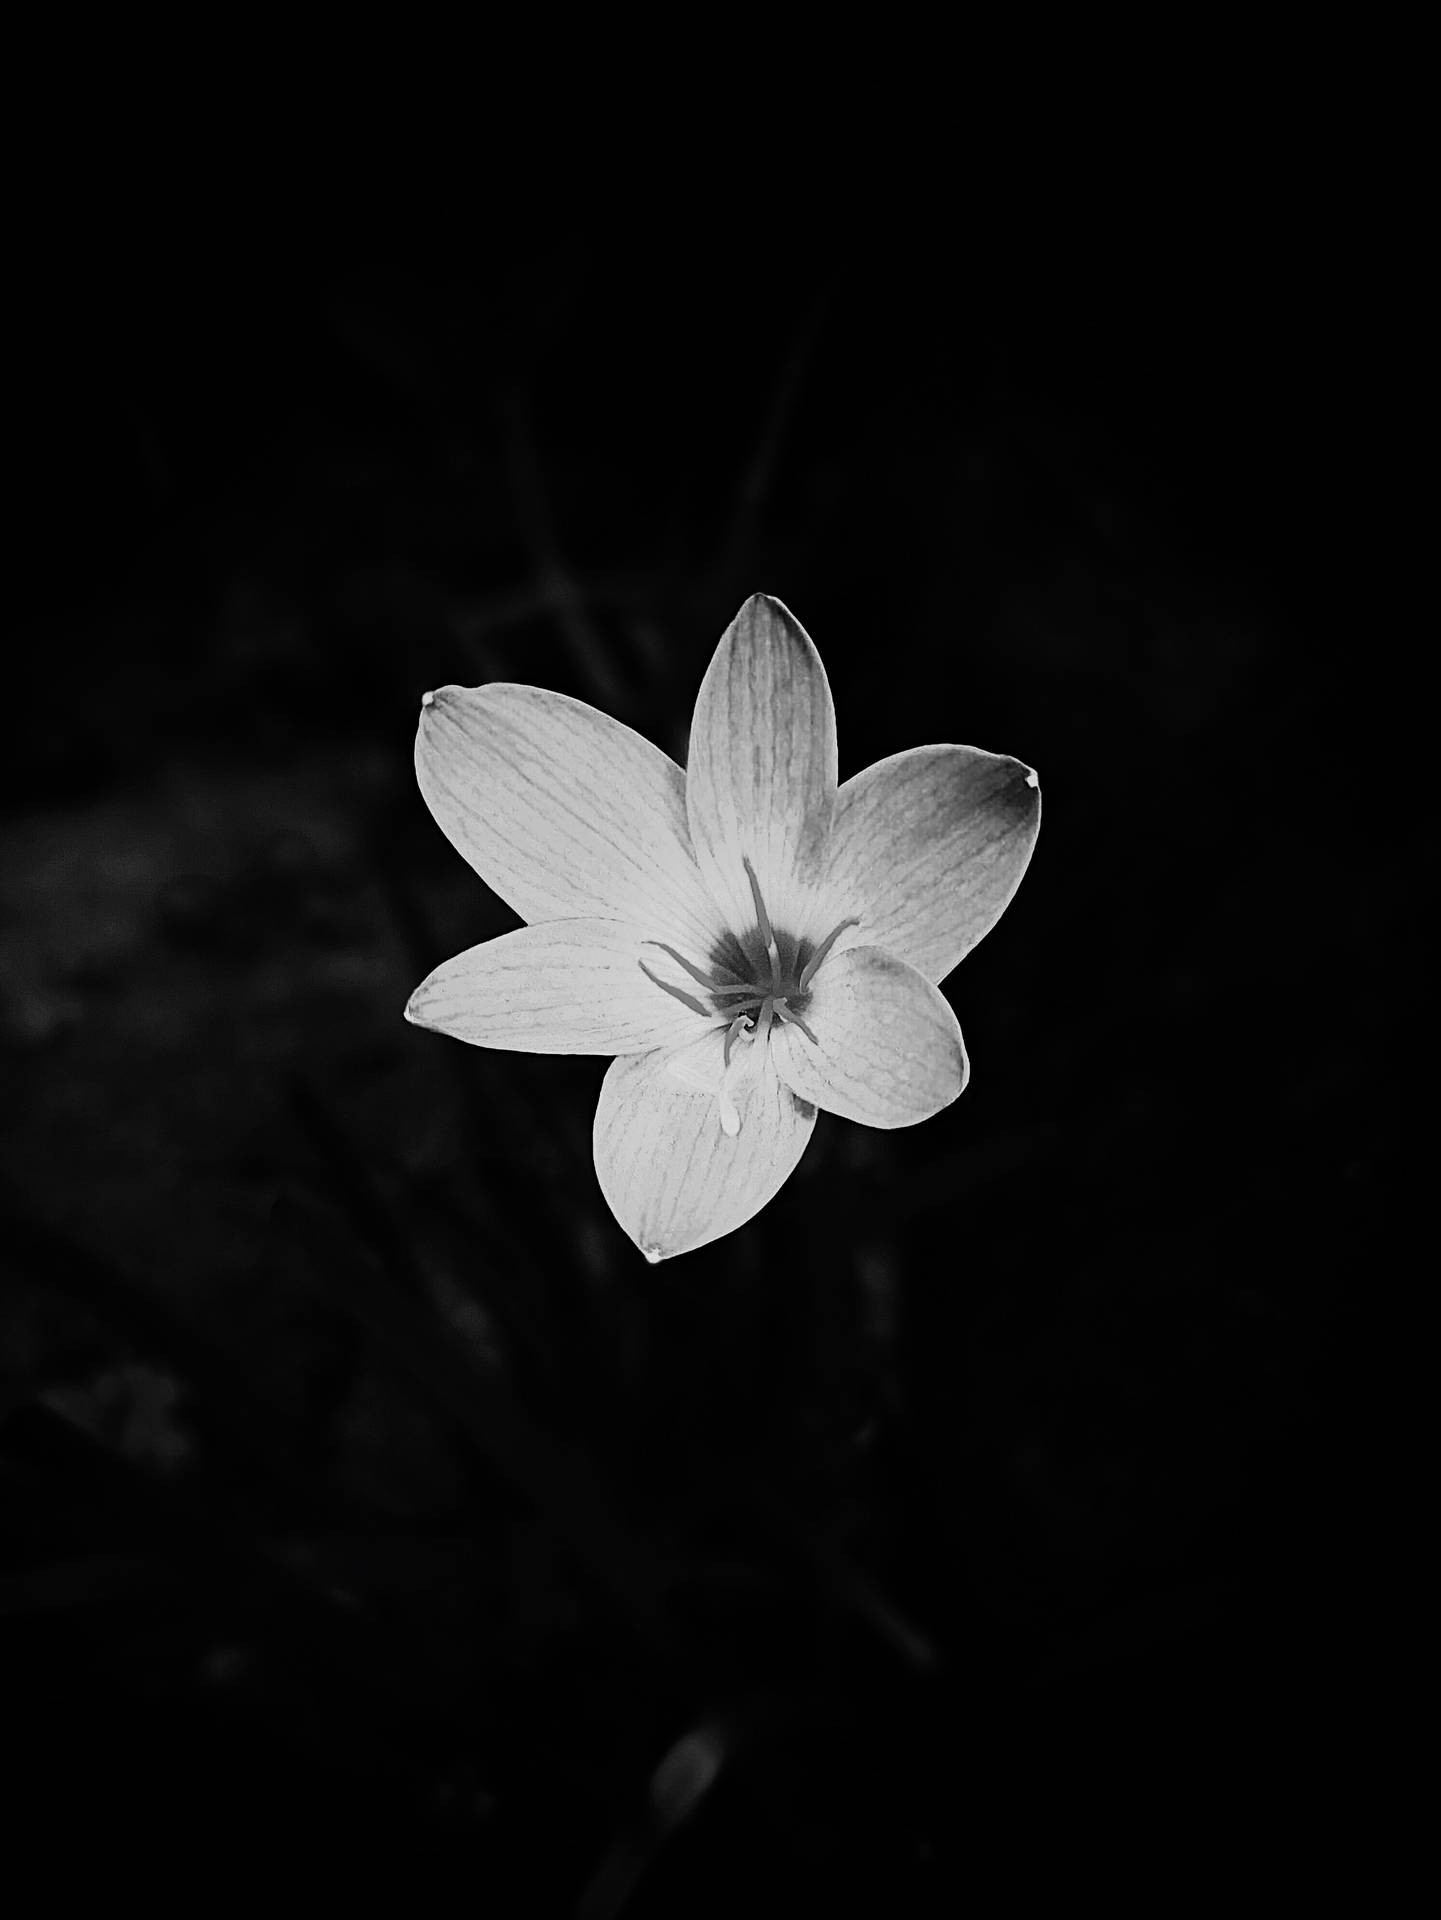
{"x":562,"y":810}
{"x":562,"y":986}
{"x":887,"y":1051}
{"x":928,"y":849}
{"x":671,"y":1177}
{"x":761,"y":768}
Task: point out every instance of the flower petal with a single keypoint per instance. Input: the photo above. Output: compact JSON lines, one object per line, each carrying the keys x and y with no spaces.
{"x":761,"y":771}
{"x":927,"y":849}
{"x":565,"y":986}
{"x":562,"y":810}
{"x":887,"y":1051}
{"x":672,"y":1178}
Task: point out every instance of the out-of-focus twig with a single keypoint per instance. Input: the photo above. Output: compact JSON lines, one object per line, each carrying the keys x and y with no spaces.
{"x":758,"y":475}
{"x":555,"y":586}
{"x":481,"y":1407}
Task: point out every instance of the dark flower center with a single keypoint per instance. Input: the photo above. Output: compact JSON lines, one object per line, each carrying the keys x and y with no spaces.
{"x":754,"y":978}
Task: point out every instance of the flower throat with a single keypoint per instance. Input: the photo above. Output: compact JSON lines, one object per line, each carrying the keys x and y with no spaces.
{"x":771,"y":983}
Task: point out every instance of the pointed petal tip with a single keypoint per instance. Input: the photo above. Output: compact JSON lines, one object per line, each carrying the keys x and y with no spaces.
{"x":1019,"y":796}
{"x":765,"y":607}
{"x":1025,"y":786}
{"x":1033,"y":794}
{"x":773,"y":600}
{"x":437,"y":698}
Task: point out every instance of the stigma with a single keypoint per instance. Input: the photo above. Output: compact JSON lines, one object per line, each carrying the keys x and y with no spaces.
{"x":757,"y":979}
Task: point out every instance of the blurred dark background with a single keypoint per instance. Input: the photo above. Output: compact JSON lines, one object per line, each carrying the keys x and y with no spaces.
{"x":991,"y":1511}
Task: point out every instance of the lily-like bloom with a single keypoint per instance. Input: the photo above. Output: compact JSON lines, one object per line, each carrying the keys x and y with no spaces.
{"x":749,"y":940}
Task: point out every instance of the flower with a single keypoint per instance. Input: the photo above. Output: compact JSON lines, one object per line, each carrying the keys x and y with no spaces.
{"x":749,"y":940}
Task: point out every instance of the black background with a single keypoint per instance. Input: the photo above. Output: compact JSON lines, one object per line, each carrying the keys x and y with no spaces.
{"x":999,"y":1493}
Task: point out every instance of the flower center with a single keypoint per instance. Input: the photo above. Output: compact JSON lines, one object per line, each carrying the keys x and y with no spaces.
{"x":754,"y":979}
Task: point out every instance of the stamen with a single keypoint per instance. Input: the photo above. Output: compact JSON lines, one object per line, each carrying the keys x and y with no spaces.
{"x":808,"y":971}
{"x":744,"y":1010}
{"x":763,"y":920}
{"x":783,"y":1013}
{"x":702,"y":979}
{"x":686,"y":999}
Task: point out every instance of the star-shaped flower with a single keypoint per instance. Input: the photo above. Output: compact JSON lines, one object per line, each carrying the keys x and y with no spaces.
{"x":749,"y":940}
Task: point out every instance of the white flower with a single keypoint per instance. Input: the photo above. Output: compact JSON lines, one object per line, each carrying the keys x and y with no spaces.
{"x":750,"y":941}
